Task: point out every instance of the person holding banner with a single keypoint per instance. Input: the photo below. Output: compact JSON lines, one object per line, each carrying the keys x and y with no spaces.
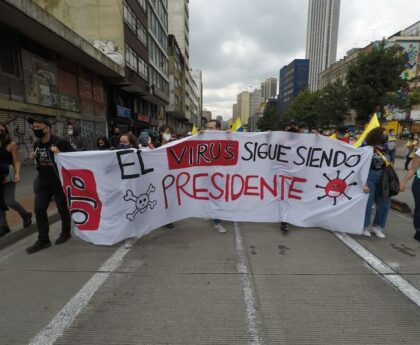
{"x":215,"y":125}
{"x":377,"y":138}
{"x":49,"y":183}
{"x":411,"y":149}
{"x":128,"y":141}
{"x":415,"y":188}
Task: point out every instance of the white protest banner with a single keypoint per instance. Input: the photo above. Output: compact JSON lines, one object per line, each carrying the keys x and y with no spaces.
{"x":303,"y":179}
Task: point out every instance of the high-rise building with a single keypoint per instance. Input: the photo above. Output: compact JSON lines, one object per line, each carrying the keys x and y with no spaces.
{"x":234,"y":111}
{"x":255,"y":101}
{"x":197,"y":76}
{"x":293,"y":79}
{"x":244,"y":106}
{"x":179,"y":25}
{"x":269,"y":89}
{"x":321,"y":37}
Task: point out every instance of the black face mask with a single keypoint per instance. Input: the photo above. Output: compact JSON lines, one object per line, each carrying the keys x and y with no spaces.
{"x":101,"y":147}
{"x":39,"y":133}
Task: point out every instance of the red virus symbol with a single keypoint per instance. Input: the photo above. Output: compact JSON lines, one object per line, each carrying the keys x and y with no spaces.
{"x":336,"y":187}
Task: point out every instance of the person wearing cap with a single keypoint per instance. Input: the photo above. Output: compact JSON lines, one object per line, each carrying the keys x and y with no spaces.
{"x":49,"y":184}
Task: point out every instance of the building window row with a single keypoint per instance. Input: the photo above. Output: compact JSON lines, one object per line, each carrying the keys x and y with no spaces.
{"x":135,"y":62}
{"x":143,"y":5}
{"x":157,"y":80}
{"x":158,"y":32}
{"x":134,"y":24}
{"x":160,"y":8}
{"x":157,"y":57}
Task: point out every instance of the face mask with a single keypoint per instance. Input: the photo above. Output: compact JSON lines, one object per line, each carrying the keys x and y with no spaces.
{"x":70,"y":132}
{"x":167,"y":137}
{"x":306,"y":131}
{"x":101,"y":147}
{"x":124,"y":146}
{"x":39,"y":133}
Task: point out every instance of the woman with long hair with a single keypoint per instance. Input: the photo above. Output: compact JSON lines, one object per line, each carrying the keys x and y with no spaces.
{"x":128,"y":141}
{"x":377,"y":138}
{"x":165,"y":135}
{"x":9,"y":157}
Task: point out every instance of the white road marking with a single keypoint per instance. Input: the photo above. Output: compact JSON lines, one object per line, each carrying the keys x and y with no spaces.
{"x":67,"y":315}
{"x":382,"y":269}
{"x":247,"y":287}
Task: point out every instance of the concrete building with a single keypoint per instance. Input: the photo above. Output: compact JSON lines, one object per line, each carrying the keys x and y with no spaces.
{"x":179,"y":25}
{"x":176,"y":109}
{"x":207,"y":115}
{"x":47,"y":68}
{"x":234,"y":111}
{"x":293,"y":79}
{"x":244,"y":107}
{"x":269,"y":89}
{"x":197,"y":76}
{"x":321,"y":37}
{"x":255,"y":101}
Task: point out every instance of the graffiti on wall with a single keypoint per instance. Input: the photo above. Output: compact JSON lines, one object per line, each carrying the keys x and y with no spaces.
{"x":109,"y":49}
{"x":21,"y":131}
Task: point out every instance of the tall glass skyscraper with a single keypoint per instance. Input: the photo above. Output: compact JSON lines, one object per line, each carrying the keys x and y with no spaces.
{"x":321,"y":37}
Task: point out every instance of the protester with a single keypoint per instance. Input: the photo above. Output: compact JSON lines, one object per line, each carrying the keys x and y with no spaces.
{"x":391,"y":145}
{"x":145,"y":141}
{"x":377,"y":138}
{"x":115,"y":138}
{"x":10,"y":161}
{"x":415,"y":188}
{"x":341,"y":134}
{"x":102,"y":143}
{"x":49,"y":184}
{"x":164,"y":137}
{"x":128,"y":141}
{"x":215,"y":125}
{"x":411,"y":149}
{"x":75,"y":137}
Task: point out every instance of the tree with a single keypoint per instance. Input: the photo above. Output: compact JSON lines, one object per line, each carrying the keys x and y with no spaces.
{"x":374,"y":78}
{"x":270,"y":119}
{"x":302,"y":108}
{"x":332,"y":104}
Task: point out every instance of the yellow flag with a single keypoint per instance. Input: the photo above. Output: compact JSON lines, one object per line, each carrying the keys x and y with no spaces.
{"x":194,"y":130}
{"x":237,"y":125}
{"x":374,"y":123}
{"x":333,"y":136}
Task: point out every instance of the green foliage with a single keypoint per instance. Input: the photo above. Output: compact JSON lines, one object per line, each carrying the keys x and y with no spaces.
{"x":374,"y":79}
{"x":326,"y":107}
{"x":270,"y":119}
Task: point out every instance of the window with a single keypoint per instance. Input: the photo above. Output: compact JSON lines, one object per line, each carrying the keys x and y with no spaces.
{"x":143,"y":5}
{"x":9,"y":57}
{"x":134,"y":24}
{"x":135,"y":62}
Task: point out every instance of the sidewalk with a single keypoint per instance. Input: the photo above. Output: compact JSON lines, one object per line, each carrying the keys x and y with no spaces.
{"x":25,"y":196}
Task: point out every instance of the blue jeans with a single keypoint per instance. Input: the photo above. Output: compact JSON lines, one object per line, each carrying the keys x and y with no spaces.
{"x":415,"y":188}
{"x":217,"y":221}
{"x":382,"y":205}
{"x":392,"y":155}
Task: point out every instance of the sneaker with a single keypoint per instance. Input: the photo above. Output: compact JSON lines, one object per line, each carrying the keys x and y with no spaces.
{"x":4,"y":230}
{"x":378,"y":232}
{"x":37,"y":246}
{"x":128,"y":243}
{"x":219,"y":228}
{"x":417,"y":236}
{"x":64,"y":237}
{"x":366,"y":232}
{"x":27,"y":220}
{"x":284,"y":226}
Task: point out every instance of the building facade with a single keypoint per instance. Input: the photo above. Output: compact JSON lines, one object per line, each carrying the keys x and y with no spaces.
{"x":48,"y":69}
{"x":293,"y":79}
{"x":244,"y":107}
{"x":321,"y":37}
{"x":269,"y":89}
{"x":255,"y":101}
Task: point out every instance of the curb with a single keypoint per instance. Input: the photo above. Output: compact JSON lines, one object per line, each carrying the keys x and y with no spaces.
{"x":20,"y":233}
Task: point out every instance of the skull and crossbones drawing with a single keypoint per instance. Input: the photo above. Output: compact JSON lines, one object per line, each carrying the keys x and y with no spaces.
{"x":142,"y":202}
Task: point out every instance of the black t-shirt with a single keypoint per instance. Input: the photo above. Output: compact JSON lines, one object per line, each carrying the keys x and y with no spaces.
{"x":45,"y":161}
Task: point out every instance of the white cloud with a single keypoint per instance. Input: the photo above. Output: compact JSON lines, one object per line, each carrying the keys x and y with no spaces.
{"x":239,"y":43}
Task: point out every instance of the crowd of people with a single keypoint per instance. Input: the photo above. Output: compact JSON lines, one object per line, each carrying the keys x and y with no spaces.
{"x":47,"y":184}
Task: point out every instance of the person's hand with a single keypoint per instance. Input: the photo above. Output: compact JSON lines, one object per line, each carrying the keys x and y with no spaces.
{"x":402,"y":187}
{"x":365,"y":189}
{"x":32,"y":155}
{"x":54,"y":149}
{"x":17,"y":179}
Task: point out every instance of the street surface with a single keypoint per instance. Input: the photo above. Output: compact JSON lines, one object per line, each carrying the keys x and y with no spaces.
{"x":192,"y":285}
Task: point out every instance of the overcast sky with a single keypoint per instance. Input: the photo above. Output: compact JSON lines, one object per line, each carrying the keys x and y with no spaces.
{"x":239,"y":43}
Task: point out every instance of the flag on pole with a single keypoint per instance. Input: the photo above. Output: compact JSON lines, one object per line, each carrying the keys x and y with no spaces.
{"x":374,"y":123}
{"x":194,"y":130}
{"x":237,"y":125}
